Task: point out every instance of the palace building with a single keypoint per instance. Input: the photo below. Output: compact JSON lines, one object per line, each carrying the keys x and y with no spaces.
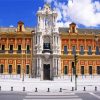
{"x":16,"y":50}
{"x":85,"y":43}
{"x":48,"y":51}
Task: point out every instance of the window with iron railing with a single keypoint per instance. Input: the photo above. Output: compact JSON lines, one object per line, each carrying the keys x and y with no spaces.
{"x":65,"y":50}
{"x":97,"y":50}
{"x":81,"y":50}
{"x":11,"y":49}
{"x":89,"y":50}
{"x":28,"y":49}
{"x":73,"y":50}
{"x":19,"y":49}
{"x":2,"y":49}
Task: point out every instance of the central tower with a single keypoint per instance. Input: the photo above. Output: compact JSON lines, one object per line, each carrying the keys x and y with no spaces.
{"x":46,"y":45}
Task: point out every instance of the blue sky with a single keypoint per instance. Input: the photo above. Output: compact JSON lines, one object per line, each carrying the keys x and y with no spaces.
{"x":11,"y":11}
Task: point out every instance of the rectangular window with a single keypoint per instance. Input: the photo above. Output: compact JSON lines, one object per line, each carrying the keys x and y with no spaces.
{"x":89,"y":50}
{"x":73,"y":50}
{"x":11,"y":47}
{"x":28,"y":47}
{"x":90,"y":70}
{"x":81,"y":50}
{"x":3,"y":47}
{"x":19,"y":47}
{"x":20,"y":28}
{"x":10,"y":69}
{"x":98,"y":69}
{"x":18,"y":69}
{"x":97,"y":50}
{"x":1,"y":69}
{"x":46,"y":46}
{"x":73,"y":29}
{"x":65,"y":50}
{"x":82,"y":70}
{"x":27,"y":69}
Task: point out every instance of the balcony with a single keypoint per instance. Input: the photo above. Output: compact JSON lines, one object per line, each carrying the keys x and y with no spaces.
{"x":89,"y":53}
{"x":46,"y":51}
{"x":19,"y":51}
{"x":82,"y":53}
{"x":65,"y":52}
{"x":74,"y":52}
{"x":27,"y":51}
{"x":97,"y":53}
{"x":2,"y":51}
{"x":10,"y":51}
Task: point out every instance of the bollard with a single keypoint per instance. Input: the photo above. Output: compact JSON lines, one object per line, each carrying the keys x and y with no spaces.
{"x":11,"y":88}
{"x":48,"y":90}
{"x":95,"y":88}
{"x":84,"y":89}
{"x":36,"y":90}
{"x":72,"y":88}
{"x":60,"y":90}
{"x":23,"y":88}
{"x":0,"y":88}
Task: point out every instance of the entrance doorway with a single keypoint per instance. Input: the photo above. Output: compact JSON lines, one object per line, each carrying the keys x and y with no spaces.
{"x":46,"y":71}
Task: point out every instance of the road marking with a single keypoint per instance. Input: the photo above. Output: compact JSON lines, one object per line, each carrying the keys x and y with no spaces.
{"x":55,"y":96}
{"x":68,"y":96}
{"x":54,"y":99}
{"x":50,"y":94}
{"x":98,"y":97}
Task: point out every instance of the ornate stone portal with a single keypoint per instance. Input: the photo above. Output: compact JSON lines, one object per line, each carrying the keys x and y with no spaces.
{"x":46,"y":45}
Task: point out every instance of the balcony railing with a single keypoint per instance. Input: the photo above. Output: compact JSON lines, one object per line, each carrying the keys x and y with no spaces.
{"x":46,"y":51}
{"x":73,"y":52}
{"x":10,"y":51}
{"x":27,"y":51}
{"x":65,"y":52}
{"x":19,"y":51}
{"x":89,"y":53}
{"x":97,"y":53}
{"x":82,"y":53}
{"x":2,"y":51}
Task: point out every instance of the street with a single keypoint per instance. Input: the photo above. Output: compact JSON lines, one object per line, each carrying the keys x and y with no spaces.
{"x":50,"y":96}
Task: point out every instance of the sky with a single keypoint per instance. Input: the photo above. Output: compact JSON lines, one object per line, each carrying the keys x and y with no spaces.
{"x":85,"y":13}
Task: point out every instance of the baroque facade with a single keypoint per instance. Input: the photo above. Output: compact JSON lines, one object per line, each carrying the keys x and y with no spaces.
{"x":46,"y":45}
{"x":16,"y":50}
{"x":47,"y":51}
{"x":85,"y":43}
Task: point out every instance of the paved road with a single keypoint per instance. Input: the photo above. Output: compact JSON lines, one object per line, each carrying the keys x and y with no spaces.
{"x":50,"y":96}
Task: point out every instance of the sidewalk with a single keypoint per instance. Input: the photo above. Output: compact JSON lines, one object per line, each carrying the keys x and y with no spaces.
{"x":63,"y":82}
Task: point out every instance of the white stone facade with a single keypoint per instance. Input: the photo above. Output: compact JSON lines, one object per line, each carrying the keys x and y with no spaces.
{"x":46,"y":45}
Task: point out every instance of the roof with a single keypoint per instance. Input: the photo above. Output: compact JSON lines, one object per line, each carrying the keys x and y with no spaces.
{"x":82,"y":31}
{"x":20,"y":22}
{"x":14,"y":29}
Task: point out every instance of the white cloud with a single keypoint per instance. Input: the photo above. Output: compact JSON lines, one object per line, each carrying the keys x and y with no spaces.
{"x":11,"y":25}
{"x":85,"y":12}
{"x":48,"y":1}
